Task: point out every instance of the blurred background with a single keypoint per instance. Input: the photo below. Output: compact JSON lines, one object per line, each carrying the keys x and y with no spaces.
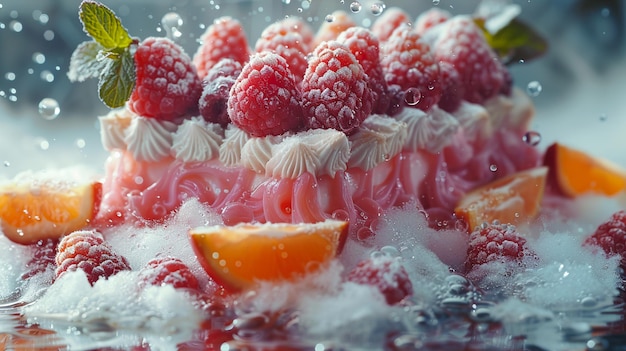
{"x":582,"y":100}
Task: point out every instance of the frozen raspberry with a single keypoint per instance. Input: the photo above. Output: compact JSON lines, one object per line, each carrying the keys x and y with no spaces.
{"x":168,"y":271}
{"x":87,"y":250}
{"x":408,"y":63}
{"x":335,"y":93}
{"x":364,"y":46}
{"x":388,"y":21}
{"x":611,"y":235}
{"x":296,"y":24}
{"x":495,"y":242}
{"x":281,"y":39}
{"x":167,"y":85}
{"x":462,"y":44}
{"x":264,"y":99}
{"x":336,"y":23}
{"x":42,"y":258}
{"x":215,"y":91}
{"x":387,"y":274}
{"x":452,"y":88}
{"x":225,"y":38}
{"x":430,"y":18}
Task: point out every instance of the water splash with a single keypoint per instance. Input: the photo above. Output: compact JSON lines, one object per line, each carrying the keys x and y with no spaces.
{"x":171,"y":21}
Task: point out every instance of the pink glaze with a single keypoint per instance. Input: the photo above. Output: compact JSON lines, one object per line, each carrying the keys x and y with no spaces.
{"x":435,"y":181}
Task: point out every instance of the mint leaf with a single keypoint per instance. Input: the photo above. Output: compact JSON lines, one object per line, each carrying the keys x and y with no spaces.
{"x":103,"y":26}
{"x":117,"y":80}
{"x":86,"y":62}
{"x":515,"y":41}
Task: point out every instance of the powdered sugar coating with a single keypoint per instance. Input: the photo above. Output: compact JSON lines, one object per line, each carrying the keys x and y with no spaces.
{"x":280,"y":38}
{"x":391,"y":18}
{"x":225,"y":38}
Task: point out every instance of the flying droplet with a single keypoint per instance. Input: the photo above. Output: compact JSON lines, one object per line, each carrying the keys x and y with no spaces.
{"x":7,"y":164}
{"x":171,"y":21}
{"x":329,"y":18}
{"x":39,"y":58}
{"x":49,"y":108}
{"x":412,"y":96}
{"x":377,"y":8}
{"x":80,"y":143}
{"x":355,"y":6}
{"x":532,"y":138}
{"x":493,"y":168}
{"x":534,"y":88}
{"x":435,"y":2}
{"x":603,"y":117}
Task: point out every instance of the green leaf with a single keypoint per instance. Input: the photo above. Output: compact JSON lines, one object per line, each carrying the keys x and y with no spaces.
{"x":117,"y":80}
{"x":103,"y":26}
{"x":86,"y":62}
{"x":514,"y":42}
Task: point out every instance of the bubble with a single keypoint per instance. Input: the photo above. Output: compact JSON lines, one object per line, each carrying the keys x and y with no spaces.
{"x":7,"y":164}
{"x":170,"y":22}
{"x":39,"y":58}
{"x":532,"y":138}
{"x":48,"y":35}
{"x":377,"y":8}
{"x":49,"y":108}
{"x":9,"y":76}
{"x":603,"y":117}
{"x":355,"y":7}
{"x":47,"y":76}
{"x":329,"y":18}
{"x":44,"y":144}
{"x":286,"y":2}
{"x":493,"y":168}
{"x":16,"y":26}
{"x":534,"y":88}
{"x":80,"y":143}
{"x":435,"y":2}
{"x":412,"y":96}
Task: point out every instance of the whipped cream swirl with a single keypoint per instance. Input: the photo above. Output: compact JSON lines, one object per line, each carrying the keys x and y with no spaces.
{"x":257,"y":152}
{"x":112,"y":128}
{"x":149,"y":139}
{"x":378,"y":139}
{"x":475,"y":120}
{"x":430,"y":131}
{"x":230,"y":150}
{"x":196,"y":140}
{"x":292,"y":158}
{"x":332,"y":148}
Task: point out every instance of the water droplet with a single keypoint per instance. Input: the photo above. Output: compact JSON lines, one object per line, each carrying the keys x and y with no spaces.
{"x":493,"y":168}
{"x":287,"y":2}
{"x":305,"y":4}
{"x":16,"y":26}
{"x":435,"y":2}
{"x":171,"y":21}
{"x":603,"y":117}
{"x":412,"y":96}
{"x":9,"y":76}
{"x":44,"y":144}
{"x":47,"y":76}
{"x":605,"y":12}
{"x":7,"y":164}
{"x":39,"y":58}
{"x":532,"y":138}
{"x":534,"y":88}
{"x":138,"y":180}
{"x":329,"y":18}
{"x":80,"y":143}
{"x":49,"y":108}
{"x":377,"y":8}
{"x":355,"y":6}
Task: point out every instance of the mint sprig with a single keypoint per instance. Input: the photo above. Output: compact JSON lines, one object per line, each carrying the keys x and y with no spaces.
{"x":514,"y":42}
{"x":107,"y":57}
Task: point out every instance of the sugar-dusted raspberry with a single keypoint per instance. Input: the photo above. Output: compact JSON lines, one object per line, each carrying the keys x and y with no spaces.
{"x":336,"y":23}
{"x":452,"y":88}
{"x":430,"y":18}
{"x":408,"y":63}
{"x":335,"y":93}
{"x":365,"y":47}
{"x":611,"y":235}
{"x":495,"y":242}
{"x":215,"y":91}
{"x":225,"y":38}
{"x":87,"y":250}
{"x":167,"y":85}
{"x":168,"y":271}
{"x":43,"y":253}
{"x":388,"y":21}
{"x":462,"y":44}
{"x":265,"y":99}
{"x":298,"y":25}
{"x":385,"y":273}
{"x":280,"y":38}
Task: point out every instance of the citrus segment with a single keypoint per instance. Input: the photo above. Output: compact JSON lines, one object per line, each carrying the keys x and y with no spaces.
{"x":514,"y":199}
{"x":35,"y":211}
{"x":576,"y":173}
{"x":239,"y":256}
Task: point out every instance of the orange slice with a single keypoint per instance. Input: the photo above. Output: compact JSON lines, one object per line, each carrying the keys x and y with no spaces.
{"x":239,"y":256}
{"x":514,"y":199}
{"x":46,"y":209}
{"x":576,"y":173}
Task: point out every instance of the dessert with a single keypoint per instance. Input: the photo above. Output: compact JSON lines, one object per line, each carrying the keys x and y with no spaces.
{"x":348,"y":189}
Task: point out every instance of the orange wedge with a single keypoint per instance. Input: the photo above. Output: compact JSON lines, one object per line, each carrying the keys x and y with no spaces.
{"x":514,"y":199}
{"x":38,"y":210}
{"x":239,"y":256}
{"x":576,"y":173}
